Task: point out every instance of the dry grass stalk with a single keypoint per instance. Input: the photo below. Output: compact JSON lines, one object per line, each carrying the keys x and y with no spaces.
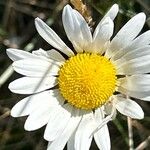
{"x":83,"y":9}
{"x":144,"y":144}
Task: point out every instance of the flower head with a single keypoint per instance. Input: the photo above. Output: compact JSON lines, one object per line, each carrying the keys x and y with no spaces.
{"x":77,"y":95}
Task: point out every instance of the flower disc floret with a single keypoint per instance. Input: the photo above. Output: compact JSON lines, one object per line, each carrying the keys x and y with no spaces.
{"x":86,"y":80}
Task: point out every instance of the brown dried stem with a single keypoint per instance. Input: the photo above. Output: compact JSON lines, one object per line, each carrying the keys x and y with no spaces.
{"x":83,"y":9}
{"x":144,"y":144}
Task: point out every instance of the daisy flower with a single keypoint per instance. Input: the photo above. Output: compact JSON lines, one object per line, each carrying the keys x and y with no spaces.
{"x":75,"y":92}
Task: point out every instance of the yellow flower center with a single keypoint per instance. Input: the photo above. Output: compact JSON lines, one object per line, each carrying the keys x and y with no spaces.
{"x":86,"y":81}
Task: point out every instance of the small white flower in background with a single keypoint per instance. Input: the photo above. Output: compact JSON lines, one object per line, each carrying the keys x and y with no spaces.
{"x":78,"y":94}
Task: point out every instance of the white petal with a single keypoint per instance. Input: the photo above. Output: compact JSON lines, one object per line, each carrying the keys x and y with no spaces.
{"x":83,"y":136}
{"x":28,"y":104}
{"x":141,"y":41}
{"x":86,"y":33}
{"x":139,"y":52}
{"x":112,"y":13}
{"x":57,"y":123}
{"x":136,"y":83}
{"x":146,"y":98}
{"x":40,"y":52}
{"x":30,"y":85}
{"x":76,"y":29}
{"x":41,"y":114}
{"x":102,"y":34}
{"x":135,"y":86}
{"x":60,"y":142}
{"x":16,"y":54}
{"x":135,"y":66}
{"x":36,"y":67}
{"x":135,"y":94}
{"x":129,"y":108}
{"x":55,"y":55}
{"x":109,"y":109}
{"x":24,"y":107}
{"x":126,"y":34}
{"x":71,"y":142}
{"x":51,"y":37}
{"x":39,"y":117}
{"x":50,"y":54}
{"x":99,"y":115}
{"x":101,"y":137}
